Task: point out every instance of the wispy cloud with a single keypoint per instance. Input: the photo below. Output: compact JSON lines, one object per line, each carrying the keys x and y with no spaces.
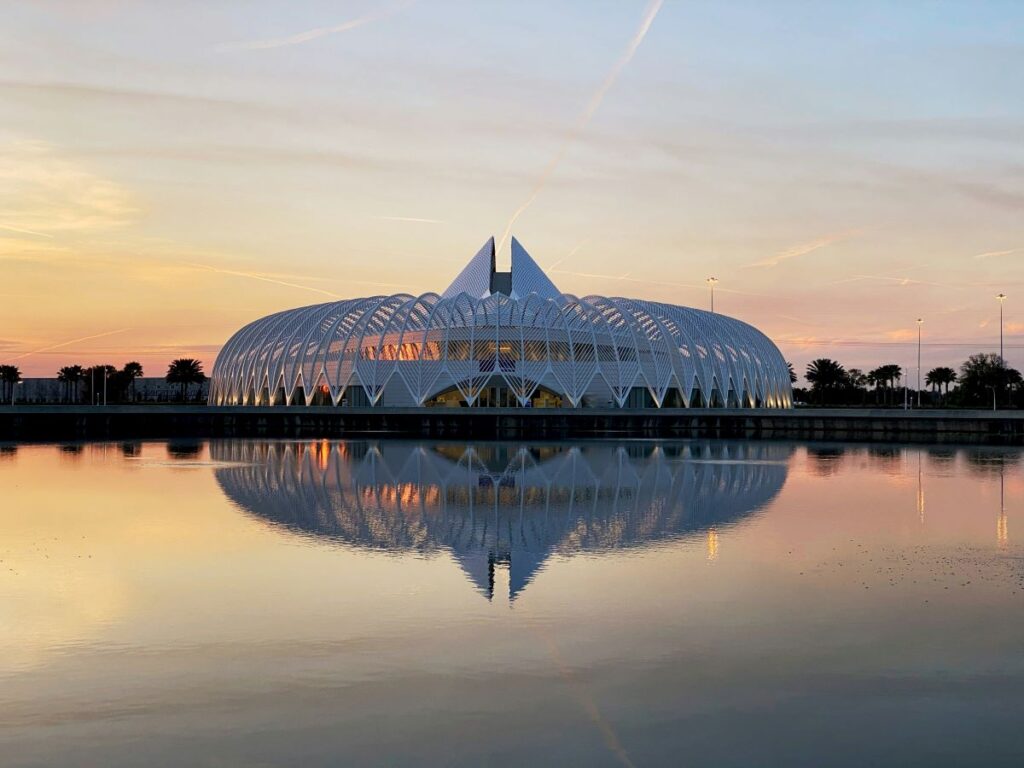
{"x":412,"y":219}
{"x":43,"y":191}
{"x":312,"y":34}
{"x":23,"y":231}
{"x":901,"y":334}
{"x":584,"y":118}
{"x":62,"y":344}
{"x":996,"y":254}
{"x":803,"y":249}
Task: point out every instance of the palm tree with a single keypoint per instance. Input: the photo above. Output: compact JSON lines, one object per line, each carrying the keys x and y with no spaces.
{"x":792,"y":373}
{"x":877,"y":380}
{"x":133,"y":371}
{"x":76,"y":374}
{"x":858,"y":380}
{"x":185,"y":371}
{"x":940,"y":377}
{"x":10,"y":375}
{"x":70,"y":375}
{"x":823,"y":375}
{"x":884,"y":377}
{"x":62,"y":377}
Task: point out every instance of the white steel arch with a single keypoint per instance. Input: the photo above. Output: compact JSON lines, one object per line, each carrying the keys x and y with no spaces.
{"x":591,"y":351}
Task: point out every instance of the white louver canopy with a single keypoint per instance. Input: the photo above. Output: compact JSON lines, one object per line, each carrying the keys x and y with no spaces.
{"x":509,"y":335}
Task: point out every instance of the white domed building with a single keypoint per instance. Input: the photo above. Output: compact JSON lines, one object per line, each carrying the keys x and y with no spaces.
{"x":508,"y":339}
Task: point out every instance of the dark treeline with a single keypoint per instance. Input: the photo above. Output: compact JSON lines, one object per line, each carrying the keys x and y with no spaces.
{"x":981,"y":381}
{"x":107,"y":383}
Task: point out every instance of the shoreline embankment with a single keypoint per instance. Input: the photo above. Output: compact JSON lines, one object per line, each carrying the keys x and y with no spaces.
{"x":30,"y":423}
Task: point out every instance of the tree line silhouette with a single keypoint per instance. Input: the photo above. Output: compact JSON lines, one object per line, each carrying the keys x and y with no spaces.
{"x":83,"y":384}
{"x":983,"y":379}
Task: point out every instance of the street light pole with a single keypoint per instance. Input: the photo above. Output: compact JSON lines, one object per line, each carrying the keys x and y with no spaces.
{"x":1001,"y":298}
{"x":920,"y":321}
{"x":711,"y":282}
{"x":1002,"y":360}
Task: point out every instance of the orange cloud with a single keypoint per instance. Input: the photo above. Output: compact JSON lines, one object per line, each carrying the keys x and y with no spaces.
{"x":901,"y":334}
{"x":43,"y":191}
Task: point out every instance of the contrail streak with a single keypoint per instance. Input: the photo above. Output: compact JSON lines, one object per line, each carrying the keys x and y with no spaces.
{"x":663,"y":283}
{"x":264,"y":278}
{"x":313,"y":34}
{"x":277,"y":281}
{"x":24,"y":231}
{"x":412,"y":219}
{"x":581,"y":122}
{"x":570,"y":254}
{"x":803,"y":249}
{"x":69,"y":343}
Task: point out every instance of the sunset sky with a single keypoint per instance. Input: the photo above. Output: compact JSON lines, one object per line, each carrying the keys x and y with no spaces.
{"x":171,"y":171}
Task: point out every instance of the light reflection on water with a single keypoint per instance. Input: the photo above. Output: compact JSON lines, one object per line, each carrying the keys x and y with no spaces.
{"x":495,"y":506}
{"x":379,"y":602}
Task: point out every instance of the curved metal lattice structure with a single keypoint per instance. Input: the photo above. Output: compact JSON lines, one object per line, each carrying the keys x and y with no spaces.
{"x":500,"y":339}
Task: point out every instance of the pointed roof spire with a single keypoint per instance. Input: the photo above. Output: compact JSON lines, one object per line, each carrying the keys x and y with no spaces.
{"x":475,"y":278}
{"x":528,"y":277}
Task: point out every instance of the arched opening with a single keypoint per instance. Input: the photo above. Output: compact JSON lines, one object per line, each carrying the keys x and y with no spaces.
{"x":322,"y":395}
{"x":673,"y":399}
{"x":495,"y":393}
{"x":639,"y":397}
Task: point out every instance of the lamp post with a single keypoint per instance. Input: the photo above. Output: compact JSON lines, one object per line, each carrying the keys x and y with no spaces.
{"x":711,"y":283}
{"x":1001,"y":298}
{"x":920,"y":322}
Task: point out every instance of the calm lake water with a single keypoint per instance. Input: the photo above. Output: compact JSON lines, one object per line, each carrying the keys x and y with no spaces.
{"x":243,"y":603}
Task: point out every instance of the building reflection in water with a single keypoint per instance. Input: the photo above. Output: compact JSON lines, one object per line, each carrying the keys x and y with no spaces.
{"x":1002,"y":530}
{"x":500,"y":505}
